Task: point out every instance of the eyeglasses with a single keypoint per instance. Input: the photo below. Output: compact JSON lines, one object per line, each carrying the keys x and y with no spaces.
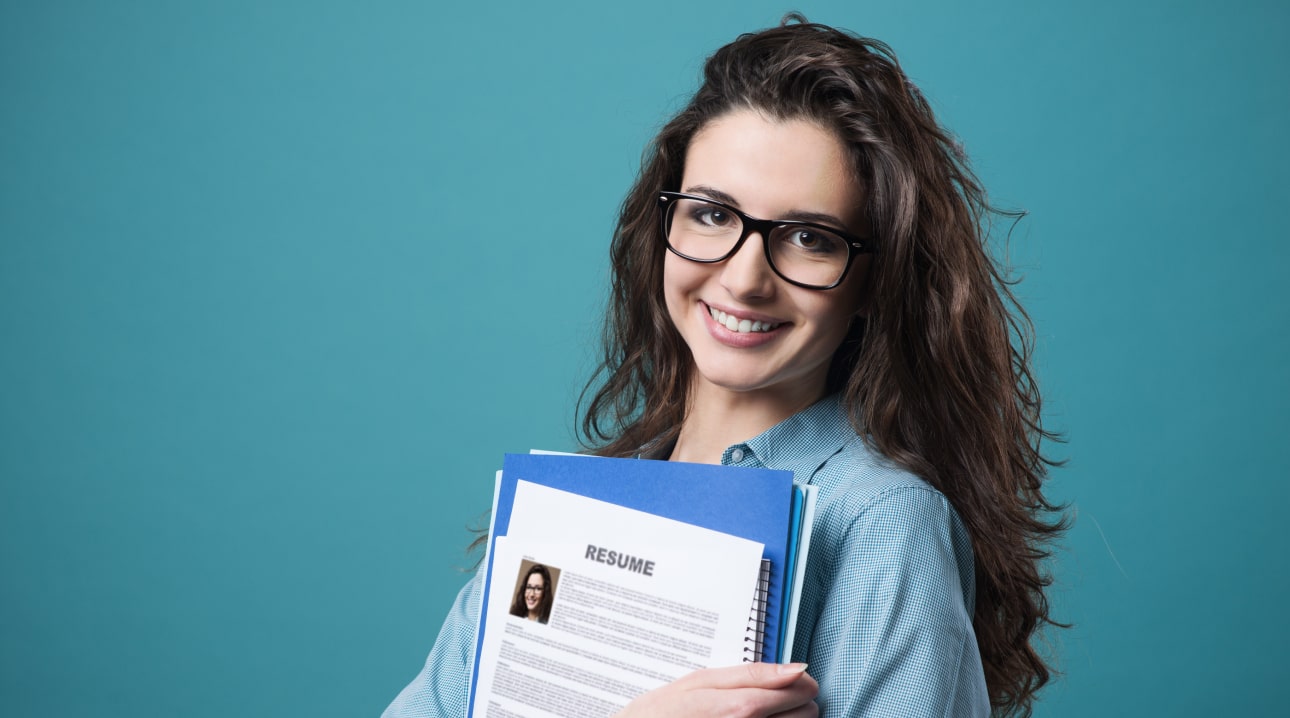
{"x":534,"y":589}
{"x":805,"y":254}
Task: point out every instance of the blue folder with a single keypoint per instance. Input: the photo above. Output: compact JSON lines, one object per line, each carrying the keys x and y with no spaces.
{"x":756,"y":504}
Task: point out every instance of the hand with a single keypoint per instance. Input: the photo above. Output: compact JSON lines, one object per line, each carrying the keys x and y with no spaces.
{"x":750,"y":690}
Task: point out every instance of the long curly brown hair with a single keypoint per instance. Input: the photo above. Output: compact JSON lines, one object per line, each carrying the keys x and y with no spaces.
{"x":937,"y":376}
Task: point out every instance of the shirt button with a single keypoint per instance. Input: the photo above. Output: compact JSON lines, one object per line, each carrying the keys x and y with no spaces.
{"x":737,"y":455}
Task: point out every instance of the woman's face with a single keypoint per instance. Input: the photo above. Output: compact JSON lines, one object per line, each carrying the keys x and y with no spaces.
{"x":769,"y":169}
{"x":534,"y":588}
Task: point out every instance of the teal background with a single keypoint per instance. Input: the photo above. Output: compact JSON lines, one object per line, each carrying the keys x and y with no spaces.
{"x":281,"y":282}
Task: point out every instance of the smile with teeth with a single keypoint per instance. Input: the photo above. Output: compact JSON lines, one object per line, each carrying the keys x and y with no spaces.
{"x":743,"y":326}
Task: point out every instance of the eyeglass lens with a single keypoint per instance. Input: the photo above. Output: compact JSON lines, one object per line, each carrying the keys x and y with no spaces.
{"x":705,"y":231}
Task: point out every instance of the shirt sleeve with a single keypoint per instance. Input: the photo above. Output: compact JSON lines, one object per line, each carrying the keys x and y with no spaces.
{"x":440,"y":689}
{"x":894,"y":634}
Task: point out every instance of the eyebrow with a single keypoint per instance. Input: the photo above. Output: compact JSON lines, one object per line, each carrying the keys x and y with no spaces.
{"x":798,"y":215}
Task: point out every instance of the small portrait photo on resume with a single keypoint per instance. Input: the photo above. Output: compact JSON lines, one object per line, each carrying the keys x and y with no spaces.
{"x":534,"y":591}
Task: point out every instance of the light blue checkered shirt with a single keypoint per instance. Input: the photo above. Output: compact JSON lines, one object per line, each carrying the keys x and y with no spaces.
{"x":885,"y":621}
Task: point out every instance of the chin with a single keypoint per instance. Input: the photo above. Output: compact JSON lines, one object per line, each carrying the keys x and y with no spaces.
{"x":736,"y":384}
{"x":749,"y":375}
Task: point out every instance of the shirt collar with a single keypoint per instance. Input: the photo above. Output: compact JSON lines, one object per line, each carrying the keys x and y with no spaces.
{"x":804,"y":441}
{"x":801,"y":443}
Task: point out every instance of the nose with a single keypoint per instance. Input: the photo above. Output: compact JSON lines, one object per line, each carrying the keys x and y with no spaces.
{"x":747,"y":275}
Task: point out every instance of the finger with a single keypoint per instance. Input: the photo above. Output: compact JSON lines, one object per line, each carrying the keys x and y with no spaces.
{"x":797,"y":699}
{"x":747,"y":675}
{"x":807,"y":710}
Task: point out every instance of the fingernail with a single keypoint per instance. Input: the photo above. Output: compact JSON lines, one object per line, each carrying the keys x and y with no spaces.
{"x":785,"y":668}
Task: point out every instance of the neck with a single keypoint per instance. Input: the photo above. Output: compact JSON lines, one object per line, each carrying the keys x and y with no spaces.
{"x":717,"y":417}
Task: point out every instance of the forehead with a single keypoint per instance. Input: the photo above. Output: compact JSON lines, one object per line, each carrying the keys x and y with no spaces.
{"x":772,"y":167}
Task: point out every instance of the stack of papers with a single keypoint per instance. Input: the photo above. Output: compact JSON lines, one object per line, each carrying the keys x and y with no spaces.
{"x":656,"y":569}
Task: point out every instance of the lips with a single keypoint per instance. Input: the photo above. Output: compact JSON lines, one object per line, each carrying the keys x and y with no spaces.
{"x":744,"y":330}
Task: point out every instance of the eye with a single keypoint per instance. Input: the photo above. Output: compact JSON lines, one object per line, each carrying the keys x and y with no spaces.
{"x":711,"y":215}
{"x":814,"y":241}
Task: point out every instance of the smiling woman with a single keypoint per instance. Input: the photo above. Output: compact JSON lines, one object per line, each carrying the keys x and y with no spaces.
{"x":534,"y":594}
{"x":800,"y":282}
{"x":774,"y":168}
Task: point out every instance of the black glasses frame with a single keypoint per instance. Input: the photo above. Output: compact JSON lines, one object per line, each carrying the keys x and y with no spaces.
{"x":855,"y":245}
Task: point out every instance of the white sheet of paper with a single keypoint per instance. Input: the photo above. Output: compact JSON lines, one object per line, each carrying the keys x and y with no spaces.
{"x":678,"y":602}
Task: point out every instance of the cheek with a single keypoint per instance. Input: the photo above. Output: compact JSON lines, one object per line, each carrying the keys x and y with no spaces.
{"x":679,"y":279}
{"x":836,"y":309}
{"x":833,"y":322}
{"x":840,"y":306}
{"x":673,"y":275}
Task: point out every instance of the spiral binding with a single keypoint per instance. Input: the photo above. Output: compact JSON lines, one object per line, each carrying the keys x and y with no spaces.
{"x":755,"y":634}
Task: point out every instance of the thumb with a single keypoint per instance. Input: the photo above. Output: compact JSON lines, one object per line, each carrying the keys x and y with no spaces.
{"x":784,"y":673}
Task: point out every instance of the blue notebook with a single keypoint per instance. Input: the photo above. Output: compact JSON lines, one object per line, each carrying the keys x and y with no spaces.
{"x":755,"y":504}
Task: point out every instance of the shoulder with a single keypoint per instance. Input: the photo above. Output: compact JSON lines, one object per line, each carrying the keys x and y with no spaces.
{"x":858,"y":483}
{"x":860,"y":494}
{"x":821,"y":447}
{"x":872,"y":511}
{"x":862,"y":475}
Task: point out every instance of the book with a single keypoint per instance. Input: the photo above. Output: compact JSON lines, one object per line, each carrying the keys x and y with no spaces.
{"x":756,"y":630}
{"x":722,"y":511}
